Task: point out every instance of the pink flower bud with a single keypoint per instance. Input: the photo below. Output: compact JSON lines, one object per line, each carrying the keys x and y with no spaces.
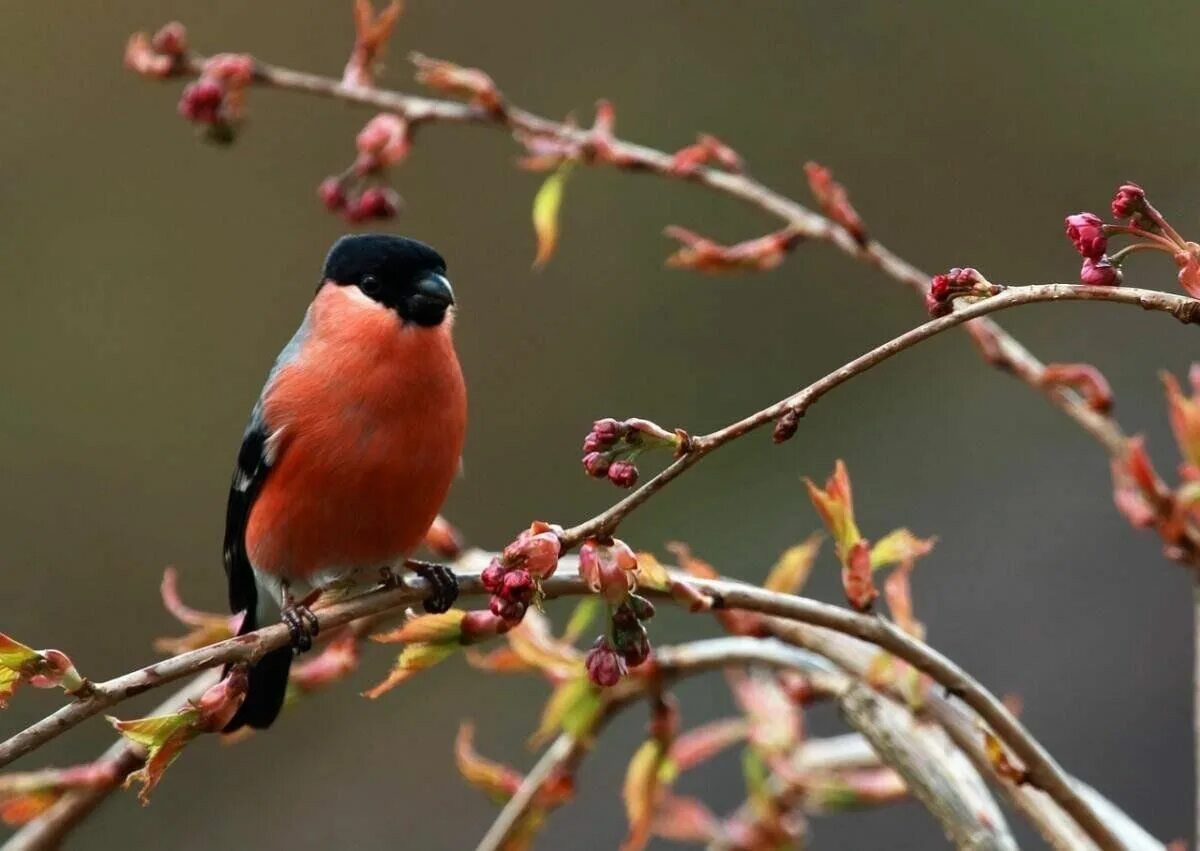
{"x":332,"y":195}
{"x":536,"y":552}
{"x":939,"y":287}
{"x":606,"y":569}
{"x":1099,"y":273}
{"x":623,"y":474}
{"x":608,"y":431}
{"x":517,"y":586}
{"x":510,"y":611}
{"x":592,"y":443}
{"x":479,"y":625}
{"x":1086,"y":231}
{"x":220,"y":702}
{"x":596,"y":464}
{"x":201,"y":101}
{"x":376,"y":202}
{"x":382,"y":142}
{"x":171,"y":40}
{"x":493,"y":576}
{"x":604,"y":667}
{"x":1129,"y":201}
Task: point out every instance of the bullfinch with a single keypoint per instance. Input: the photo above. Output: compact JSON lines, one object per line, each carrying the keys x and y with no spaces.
{"x":350,"y":450}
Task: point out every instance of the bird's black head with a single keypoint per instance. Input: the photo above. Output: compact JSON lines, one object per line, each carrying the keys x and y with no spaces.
{"x":403,"y":274}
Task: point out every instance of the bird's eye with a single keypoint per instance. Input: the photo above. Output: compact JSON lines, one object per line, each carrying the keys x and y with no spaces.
{"x":370,"y":285}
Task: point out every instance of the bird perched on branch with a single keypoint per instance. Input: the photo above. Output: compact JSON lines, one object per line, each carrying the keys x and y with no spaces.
{"x":350,"y":450}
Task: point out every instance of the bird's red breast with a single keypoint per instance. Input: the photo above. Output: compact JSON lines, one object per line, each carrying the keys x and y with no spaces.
{"x":367,"y":420}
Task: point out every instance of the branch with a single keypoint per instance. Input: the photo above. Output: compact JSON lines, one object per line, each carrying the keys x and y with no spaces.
{"x":1181,"y":307}
{"x":951,"y":791}
{"x":997,"y":346}
{"x":1055,"y":826}
{"x":49,"y":829}
{"x":252,"y":647}
{"x":973,"y":823}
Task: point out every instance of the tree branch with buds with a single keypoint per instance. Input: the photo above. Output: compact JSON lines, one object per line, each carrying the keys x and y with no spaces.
{"x":883,"y":689}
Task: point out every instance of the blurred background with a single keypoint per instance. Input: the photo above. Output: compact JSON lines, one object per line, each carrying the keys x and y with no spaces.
{"x":150,"y":279}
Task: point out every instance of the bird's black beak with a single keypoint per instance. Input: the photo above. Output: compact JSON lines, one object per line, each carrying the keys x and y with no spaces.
{"x":431,"y":298}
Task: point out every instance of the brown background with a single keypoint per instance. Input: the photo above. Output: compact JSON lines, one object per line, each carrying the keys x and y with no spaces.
{"x":149,"y":280}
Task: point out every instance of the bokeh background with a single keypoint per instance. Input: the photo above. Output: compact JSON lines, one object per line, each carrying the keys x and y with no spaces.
{"x":149,"y":279}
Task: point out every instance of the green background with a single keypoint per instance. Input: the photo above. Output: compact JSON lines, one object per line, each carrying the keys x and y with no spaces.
{"x":149,"y":280}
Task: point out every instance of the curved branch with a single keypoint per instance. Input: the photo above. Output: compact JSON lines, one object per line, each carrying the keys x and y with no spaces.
{"x":1043,"y":771}
{"x":1181,"y":307}
{"x":997,"y":346}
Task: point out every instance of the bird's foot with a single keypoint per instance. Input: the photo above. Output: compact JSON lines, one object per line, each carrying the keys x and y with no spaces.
{"x":443,"y":585}
{"x":302,"y":626}
{"x":389,"y":578}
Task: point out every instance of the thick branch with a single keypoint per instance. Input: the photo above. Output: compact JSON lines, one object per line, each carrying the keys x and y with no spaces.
{"x":1058,"y":829}
{"x":1044,"y":772}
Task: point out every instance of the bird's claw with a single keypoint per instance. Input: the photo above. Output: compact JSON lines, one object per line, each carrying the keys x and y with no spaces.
{"x":302,"y":626}
{"x":443,"y":585}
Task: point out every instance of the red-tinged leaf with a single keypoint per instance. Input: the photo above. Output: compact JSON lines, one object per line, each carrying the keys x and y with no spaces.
{"x":1001,"y":764}
{"x":469,"y":83}
{"x":702,"y":743}
{"x":1084,"y":379}
{"x":689,"y":563}
{"x":412,"y":660}
{"x":163,"y":737}
{"x":835,"y":202}
{"x":9,"y":680}
{"x":791,"y":571}
{"x":498,"y":781}
{"x":899,"y":546}
{"x":141,"y":58}
{"x":502,"y":660}
{"x":332,"y":664}
{"x":775,"y":724}
{"x":1188,"y":262}
{"x":443,"y":540}
{"x":855,"y":790}
{"x":546,"y":206}
{"x":640,"y":792}
{"x":371,"y":35}
{"x":685,"y":819}
{"x":856,"y":578}
{"x":24,"y":808}
{"x":651,"y":573}
{"x":40,"y":669}
{"x":835,"y":505}
{"x":534,"y":645}
{"x":439,"y":628}
{"x":209,"y":627}
{"x":16,"y":656}
{"x":220,"y":702}
{"x":573,"y":707}
{"x":1185,"y":417}
{"x":704,"y":255}
{"x":897,"y":590}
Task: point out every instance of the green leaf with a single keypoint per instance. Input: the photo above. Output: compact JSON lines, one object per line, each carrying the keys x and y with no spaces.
{"x":546,"y":205}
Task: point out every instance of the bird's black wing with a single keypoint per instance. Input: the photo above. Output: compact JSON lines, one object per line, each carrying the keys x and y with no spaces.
{"x":253,"y":465}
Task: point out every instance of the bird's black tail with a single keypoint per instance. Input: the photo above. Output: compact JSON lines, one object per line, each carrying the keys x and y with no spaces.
{"x":266,"y":688}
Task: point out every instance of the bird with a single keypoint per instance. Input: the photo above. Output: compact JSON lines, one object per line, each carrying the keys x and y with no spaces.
{"x":350,"y":451}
